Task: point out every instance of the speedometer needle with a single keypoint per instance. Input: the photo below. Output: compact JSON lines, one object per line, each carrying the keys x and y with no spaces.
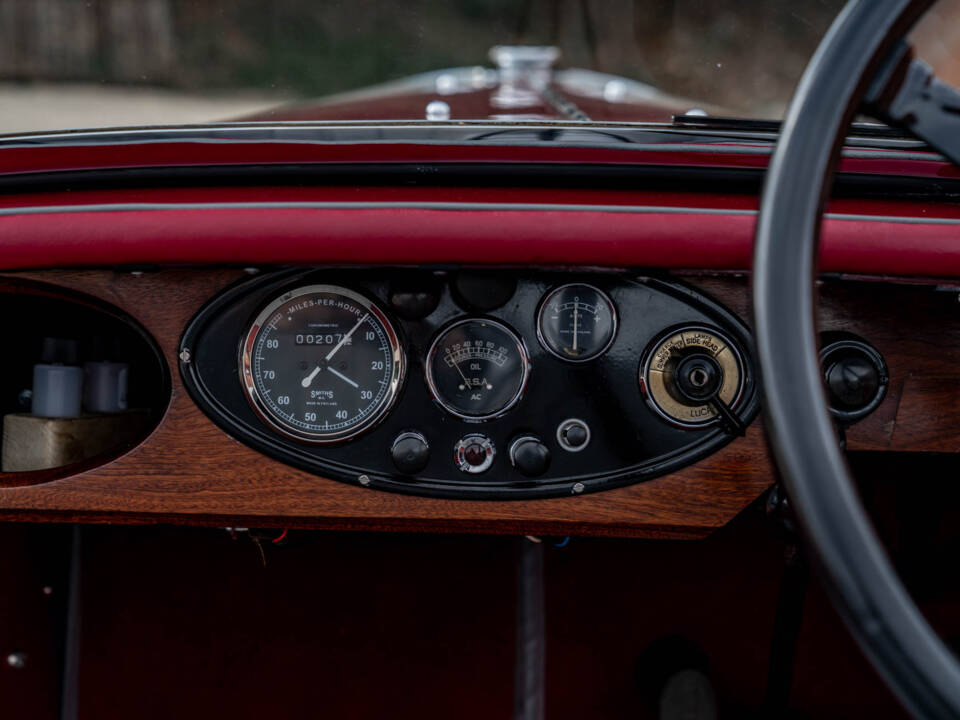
{"x":343,"y":377}
{"x":346,"y":337}
{"x":309,"y":378}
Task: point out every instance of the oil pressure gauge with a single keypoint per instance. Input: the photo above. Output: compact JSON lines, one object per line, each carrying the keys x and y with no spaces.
{"x":477,"y":368}
{"x":577,"y":322}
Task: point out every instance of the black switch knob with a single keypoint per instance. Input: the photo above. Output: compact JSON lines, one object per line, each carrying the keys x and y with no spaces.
{"x":410,"y":453}
{"x":529,"y":455}
{"x":853,"y":381}
{"x":855,"y":375}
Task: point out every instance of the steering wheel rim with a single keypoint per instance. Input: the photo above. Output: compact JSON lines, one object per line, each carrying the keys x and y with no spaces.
{"x":915,"y":663}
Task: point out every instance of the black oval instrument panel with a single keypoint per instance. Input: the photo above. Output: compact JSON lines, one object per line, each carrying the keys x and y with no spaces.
{"x":484,"y":410}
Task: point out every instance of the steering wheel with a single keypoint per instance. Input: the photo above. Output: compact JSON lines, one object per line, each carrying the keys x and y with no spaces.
{"x":862,"y":62}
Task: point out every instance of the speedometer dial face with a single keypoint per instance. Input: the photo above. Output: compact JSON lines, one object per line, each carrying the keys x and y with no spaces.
{"x":577,"y":322}
{"x":477,"y":368}
{"x":321,"y":363}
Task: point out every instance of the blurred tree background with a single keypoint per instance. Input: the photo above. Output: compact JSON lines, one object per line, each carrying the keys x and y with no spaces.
{"x":742,"y":54}
{"x":724,"y":51}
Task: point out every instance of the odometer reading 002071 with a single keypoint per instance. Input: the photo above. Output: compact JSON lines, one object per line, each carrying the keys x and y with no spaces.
{"x":322,"y":363}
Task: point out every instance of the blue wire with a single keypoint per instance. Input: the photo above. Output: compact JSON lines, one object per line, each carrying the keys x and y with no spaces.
{"x":563,"y":543}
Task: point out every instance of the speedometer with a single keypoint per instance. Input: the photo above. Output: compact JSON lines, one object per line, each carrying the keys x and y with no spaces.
{"x":321,"y":363}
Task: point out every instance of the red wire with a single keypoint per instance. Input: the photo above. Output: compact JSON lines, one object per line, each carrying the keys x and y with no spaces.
{"x":280,"y":537}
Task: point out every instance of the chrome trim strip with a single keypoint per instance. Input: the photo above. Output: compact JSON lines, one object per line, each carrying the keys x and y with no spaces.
{"x":447,"y":206}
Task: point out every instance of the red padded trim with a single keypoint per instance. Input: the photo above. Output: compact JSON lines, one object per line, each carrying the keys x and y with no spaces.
{"x":470,"y":236}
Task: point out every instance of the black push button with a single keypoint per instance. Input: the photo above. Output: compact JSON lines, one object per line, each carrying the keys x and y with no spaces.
{"x":410,"y":453}
{"x":529,"y":455}
{"x":573,"y":435}
{"x":576,"y":436}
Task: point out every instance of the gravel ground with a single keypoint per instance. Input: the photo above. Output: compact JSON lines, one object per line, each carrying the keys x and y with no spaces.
{"x":39,"y":106}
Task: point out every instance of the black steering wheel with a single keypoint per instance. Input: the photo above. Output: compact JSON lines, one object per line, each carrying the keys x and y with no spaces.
{"x":862,"y":63}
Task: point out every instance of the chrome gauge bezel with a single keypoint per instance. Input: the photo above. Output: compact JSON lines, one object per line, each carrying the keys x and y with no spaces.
{"x":252,"y":393}
{"x":615,"y":322}
{"x":644,"y":374}
{"x":431,"y":383}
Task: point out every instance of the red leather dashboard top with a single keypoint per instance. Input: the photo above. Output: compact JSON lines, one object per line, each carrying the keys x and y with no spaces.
{"x":468,"y":236}
{"x":478,"y":226}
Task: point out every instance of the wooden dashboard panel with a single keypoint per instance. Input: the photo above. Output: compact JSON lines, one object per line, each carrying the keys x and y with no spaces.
{"x":189,"y":471}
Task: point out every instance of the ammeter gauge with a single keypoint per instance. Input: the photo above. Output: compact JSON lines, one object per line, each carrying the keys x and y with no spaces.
{"x":577,"y":322}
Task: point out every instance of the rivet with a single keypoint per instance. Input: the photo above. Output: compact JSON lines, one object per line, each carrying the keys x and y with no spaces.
{"x":185,"y":355}
{"x":578,"y":488}
{"x":364,"y":480}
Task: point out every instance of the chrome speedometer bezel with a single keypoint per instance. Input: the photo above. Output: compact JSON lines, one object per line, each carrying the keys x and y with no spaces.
{"x":252,"y":393}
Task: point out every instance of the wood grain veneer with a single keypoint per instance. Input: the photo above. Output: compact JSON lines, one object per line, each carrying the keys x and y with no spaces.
{"x":927,"y":415}
{"x":189,"y":471}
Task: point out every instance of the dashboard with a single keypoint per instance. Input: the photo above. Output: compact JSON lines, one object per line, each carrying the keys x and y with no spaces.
{"x":473,"y":384}
{"x":208,"y":457}
{"x":447,"y":328}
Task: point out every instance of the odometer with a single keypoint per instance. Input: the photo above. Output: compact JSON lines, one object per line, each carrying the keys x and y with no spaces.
{"x":321,"y":363}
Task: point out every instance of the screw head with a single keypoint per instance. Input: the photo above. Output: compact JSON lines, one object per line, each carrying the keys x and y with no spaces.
{"x":185,"y":355}
{"x":17,"y":660}
{"x":364,"y":480}
{"x":578,"y":488}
